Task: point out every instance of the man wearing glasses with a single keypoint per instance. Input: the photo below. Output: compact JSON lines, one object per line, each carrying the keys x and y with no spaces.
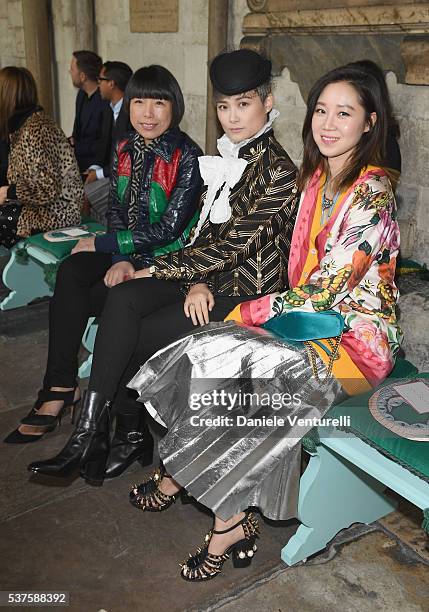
{"x":112,"y":81}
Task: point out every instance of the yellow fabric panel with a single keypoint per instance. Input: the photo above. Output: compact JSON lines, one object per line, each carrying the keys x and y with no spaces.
{"x":344,"y":370}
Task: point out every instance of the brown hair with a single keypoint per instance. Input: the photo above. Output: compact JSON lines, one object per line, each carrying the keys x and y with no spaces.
{"x":372,"y":145}
{"x":17,"y":90}
{"x":89,"y":63}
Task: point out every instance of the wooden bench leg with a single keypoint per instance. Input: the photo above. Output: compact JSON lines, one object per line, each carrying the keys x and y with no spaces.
{"x":26,"y":281}
{"x":88,"y":342}
{"x":334,"y":494}
{"x":85,"y":368}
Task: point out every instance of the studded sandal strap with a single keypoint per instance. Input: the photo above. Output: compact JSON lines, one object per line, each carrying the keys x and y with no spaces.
{"x":247,"y":518}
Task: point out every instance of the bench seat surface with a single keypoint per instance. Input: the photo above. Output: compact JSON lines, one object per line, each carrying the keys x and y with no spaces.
{"x":60,"y":249}
{"x":411,"y":454}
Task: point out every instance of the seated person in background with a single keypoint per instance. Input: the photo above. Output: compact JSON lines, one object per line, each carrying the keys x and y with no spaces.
{"x":112,"y":81}
{"x":343,"y":255}
{"x":85,"y":68}
{"x":392,"y":153}
{"x":239,"y":250}
{"x":44,"y":189}
{"x":145,"y":218}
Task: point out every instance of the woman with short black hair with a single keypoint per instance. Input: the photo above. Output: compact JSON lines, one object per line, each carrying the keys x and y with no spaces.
{"x":156,"y":82}
{"x":154,"y":189}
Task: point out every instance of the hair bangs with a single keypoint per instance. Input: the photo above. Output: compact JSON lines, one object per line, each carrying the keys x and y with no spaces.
{"x":158,"y":83}
{"x":148,"y":89}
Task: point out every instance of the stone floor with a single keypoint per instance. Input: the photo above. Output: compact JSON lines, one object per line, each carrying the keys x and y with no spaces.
{"x":66,"y":535}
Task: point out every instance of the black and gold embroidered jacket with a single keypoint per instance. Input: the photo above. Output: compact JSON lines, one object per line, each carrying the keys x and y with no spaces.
{"x":247,"y":255}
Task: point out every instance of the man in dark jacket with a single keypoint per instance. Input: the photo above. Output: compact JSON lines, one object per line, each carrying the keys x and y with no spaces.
{"x":112,"y":81}
{"x":85,"y":68}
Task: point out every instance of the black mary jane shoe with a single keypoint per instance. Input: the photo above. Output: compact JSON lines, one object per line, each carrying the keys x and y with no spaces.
{"x":16,"y":437}
{"x":203,"y":566}
{"x":50,"y":420}
{"x":148,"y":496}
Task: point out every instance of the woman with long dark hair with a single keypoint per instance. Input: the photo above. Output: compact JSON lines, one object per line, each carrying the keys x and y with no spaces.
{"x":44,"y":190}
{"x":232,"y":450}
{"x":391,"y":151}
{"x":154,"y":193}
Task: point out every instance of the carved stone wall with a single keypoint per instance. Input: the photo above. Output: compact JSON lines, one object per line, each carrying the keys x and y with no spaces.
{"x":395,"y":34}
{"x":273,"y":6}
{"x":299,"y":59}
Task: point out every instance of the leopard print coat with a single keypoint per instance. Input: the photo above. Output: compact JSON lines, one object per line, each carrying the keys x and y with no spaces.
{"x":43,"y":167}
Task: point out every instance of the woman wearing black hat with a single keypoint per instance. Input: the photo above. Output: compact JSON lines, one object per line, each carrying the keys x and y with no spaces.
{"x":239,"y":250}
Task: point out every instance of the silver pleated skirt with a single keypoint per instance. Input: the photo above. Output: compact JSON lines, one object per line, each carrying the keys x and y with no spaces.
{"x":236,"y":402}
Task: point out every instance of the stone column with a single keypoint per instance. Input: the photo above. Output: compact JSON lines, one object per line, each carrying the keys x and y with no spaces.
{"x":217,"y":42}
{"x":84,"y":25}
{"x":37,"y":49}
{"x":73,"y":25}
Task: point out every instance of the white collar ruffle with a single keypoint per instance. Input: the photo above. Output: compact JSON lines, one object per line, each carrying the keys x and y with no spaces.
{"x":221,"y":174}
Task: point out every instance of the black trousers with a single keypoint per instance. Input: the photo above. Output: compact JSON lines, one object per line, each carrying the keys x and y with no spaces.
{"x":79,"y":294}
{"x":138,"y":318}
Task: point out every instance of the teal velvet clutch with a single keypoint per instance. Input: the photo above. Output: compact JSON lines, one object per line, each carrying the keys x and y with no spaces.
{"x":300,"y":326}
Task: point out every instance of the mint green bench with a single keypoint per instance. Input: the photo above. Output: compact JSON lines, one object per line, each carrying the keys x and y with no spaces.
{"x":347,"y":475}
{"x":25,"y":275}
{"x":88,"y":341}
{"x":31,"y":270}
{"x":30,"y":274}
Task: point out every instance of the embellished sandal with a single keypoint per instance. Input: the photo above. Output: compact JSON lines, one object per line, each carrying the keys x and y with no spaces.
{"x":204,"y":566}
{"x":148,"y":496}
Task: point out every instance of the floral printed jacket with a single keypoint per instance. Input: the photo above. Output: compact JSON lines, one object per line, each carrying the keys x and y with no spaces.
{"x":356,"y":254}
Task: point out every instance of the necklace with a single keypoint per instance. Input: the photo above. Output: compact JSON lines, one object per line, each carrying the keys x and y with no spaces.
{"x":328,"y":205}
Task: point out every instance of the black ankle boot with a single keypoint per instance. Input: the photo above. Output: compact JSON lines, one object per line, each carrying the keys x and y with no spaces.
{"x":132,"y":442}
{"x":88,"y":446}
